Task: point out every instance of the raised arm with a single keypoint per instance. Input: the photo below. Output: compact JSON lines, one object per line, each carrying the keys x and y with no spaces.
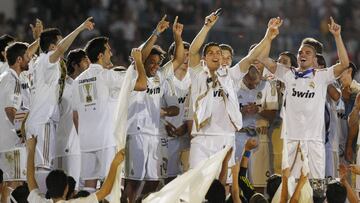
{"x":109,"y":181}
{"x":284,"y":181}
{"x":353,"y":122}
{"x":65,"y":43}
{"x":343,"y":64}
{"x":350,"y":193}
{"x":36,"y":31}
{"x":262,"y":49}
{"x":30,"y":167}
{"x":194,"y":50}
{"x":141,"y":81}
{"x":296,"y":196}
{"x":149,"y":43}
{"x":179,"y":57}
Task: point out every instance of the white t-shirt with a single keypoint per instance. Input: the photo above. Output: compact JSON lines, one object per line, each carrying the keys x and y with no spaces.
{"x":67,"y":139}
{"x":144,"y":106}
{"x":95,"y":95}
{"x":3,"y":67}
{"x":220,"y":123}
{"x":36,"y":197}
{"x":264,"y":96}
{"x":305,"y":103}
{"x":10,"y":96}
{"x":44,"y":90}
{"x":181,"y":88}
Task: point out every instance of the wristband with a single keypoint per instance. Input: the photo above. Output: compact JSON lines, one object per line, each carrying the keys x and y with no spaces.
{"x":156,"y":33}
{"x":247,"y":154}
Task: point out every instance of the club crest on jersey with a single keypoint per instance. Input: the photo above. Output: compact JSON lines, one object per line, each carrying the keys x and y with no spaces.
{"x":301,"y":94}
{"x":312,"y":84}
{"x":259,"y":95}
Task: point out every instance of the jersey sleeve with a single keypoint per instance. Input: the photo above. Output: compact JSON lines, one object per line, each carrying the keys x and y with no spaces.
{"x":281,"y":71}
{"x":75,"y":95}
{"x":327,"y":75}
{"x":169,"y":95}
{"x":167,"y":71}
{"x":113,"y":78}
{"x":13,"y":94}
{"x":235,"y":73}
{"x":270,"y":99}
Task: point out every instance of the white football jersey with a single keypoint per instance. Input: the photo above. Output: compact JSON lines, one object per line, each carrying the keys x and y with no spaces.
{"x":95,"y":95}
{"x":44,"y":90}
{"x":67,"y":139}
{"x":10,"y":96}
{"x":305,"y":103}
{"x":144,"y":106}
{"x":3,"y":67}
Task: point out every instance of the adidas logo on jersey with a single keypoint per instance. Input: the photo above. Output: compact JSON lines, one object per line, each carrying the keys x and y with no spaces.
{"x":153,"y":90}
{"x":306,"y":94}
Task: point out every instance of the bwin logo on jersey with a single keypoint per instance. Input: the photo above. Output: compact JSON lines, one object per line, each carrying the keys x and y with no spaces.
{"x":181,"y":100}
{"x":306,"y":94}
{"x":153,"y":90}
{"x":217,"y":93}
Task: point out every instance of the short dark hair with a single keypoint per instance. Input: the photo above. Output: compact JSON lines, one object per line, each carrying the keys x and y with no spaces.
{"x":318,"y":46}
{"x":56,"y":183}
{"x":292,"y":57}
{"x":96,"y":46}
{"x":15,"y":50}
{"x":335,"y":193}
{"x":321,"y":60}
{"x":207,"y":47}
{"x":171,"y":50}
{"x":5,"y":40}
{"x":47,"y":37}
{"x":71,"y":185}
{"x":74,"y":58}
{"x":20,"y":194}
{"x":216,"y":192}
{"x":227,"y":47}
{"x":157,"y":50}
{"x":82,"y":193}
{"x":272,"y":185}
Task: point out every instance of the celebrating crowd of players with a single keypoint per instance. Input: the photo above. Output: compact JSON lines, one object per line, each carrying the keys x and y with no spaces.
{"x":191,"y":98}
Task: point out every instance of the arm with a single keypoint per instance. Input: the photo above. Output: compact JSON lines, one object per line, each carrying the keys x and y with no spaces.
{"x":333,"y":92}
{"x":343,"y":173}
{"x":109,"y":181}
{"x":36,"y":31}
{"x":296,"y":196}
{"x":262,"y":49}
{"x":179,"y":57}
{"x":224,"y":168}
{"x":235,"y":190}
{"x":194,"y":50}
{"x":284,"y":189}
{"x":343,"y":64}
{"x":268,"y":114}
{"x":65,"y":43}
{"x":76,"y":120}
{"x":10,"y":113}
{"x":30,"y":174}
{"x":147,"y":46}
{"x":169,"y":111}
{"x":353,"y":122}
{"x":141,"y":81}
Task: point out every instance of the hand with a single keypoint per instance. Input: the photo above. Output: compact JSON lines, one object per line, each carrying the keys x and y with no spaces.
{"x":136,"y":54}
{"x":31,"y":143}
{"x":286,"y":172}
{"x":250,"y":109}
{"x":334,"y":28}
{"x":37,"y":29}
{"x":119,"y":157}
{"x":251,"y":143}
{"x":180,"y":131}
{"x":162,"y":112}
{"x":210,"y":20}
{"x":162,"y":25}
{"x":170,"y":129}
{"x":88,"y":24}
{"x":355,"y":169}
{"x":343,"y":171}
{"x":177,"y":27}
{"x":348,"y":154}
{"x":273,"y":27}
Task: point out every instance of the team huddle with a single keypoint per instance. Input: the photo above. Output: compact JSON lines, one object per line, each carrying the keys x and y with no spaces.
{"x":64,"y":109}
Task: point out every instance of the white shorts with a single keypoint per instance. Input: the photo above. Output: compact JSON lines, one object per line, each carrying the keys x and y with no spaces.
{"x":71,"y":164}
{"x":13,"y":164}
{"x":204,"y":146}
{"x":175,"y":147}
{"x":45,"y":148}
{"x":313,"y":150}
{"x":146,"y":157}
{"x":96,"y":164}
